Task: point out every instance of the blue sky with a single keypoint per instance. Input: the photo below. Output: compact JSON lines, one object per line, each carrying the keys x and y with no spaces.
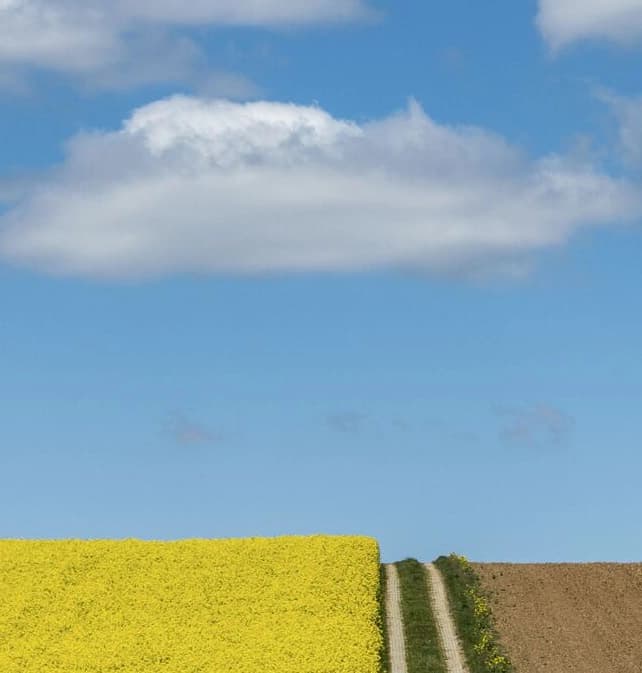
{"x":334,"y":266}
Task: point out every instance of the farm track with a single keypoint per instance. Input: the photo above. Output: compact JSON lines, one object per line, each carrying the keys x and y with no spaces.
{"x":455,"y":662}
{"x":394,"y":622}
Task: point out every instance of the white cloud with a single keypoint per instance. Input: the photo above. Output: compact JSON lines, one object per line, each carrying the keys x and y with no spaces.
{"x":210,"y":186}
{"x":565,"y":21}
{"x":88,"y":42}
{"x":100,"y":39}
{"x":244,"y":12}
{"x":34,"y":32}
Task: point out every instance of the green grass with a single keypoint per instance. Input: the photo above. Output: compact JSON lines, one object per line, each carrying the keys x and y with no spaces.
{"x":423,"y":649}
{"x":385,"y":653}
{"x":473,"y":617}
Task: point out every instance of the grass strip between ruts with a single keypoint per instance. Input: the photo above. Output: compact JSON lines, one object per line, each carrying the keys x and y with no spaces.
{"x":473,"y":617}
{"x":423,"y":649}
{"x":383,"y":621}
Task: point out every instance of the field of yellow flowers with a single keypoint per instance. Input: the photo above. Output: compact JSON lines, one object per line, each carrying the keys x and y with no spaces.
{"x":258,"y":605}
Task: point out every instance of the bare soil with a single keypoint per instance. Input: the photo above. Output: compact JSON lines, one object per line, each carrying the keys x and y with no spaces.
{"x":568,"y":618}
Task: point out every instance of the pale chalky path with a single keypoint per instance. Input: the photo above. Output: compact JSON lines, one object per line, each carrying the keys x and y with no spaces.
{"x":455,"y":661}
{"x":394,"y":622}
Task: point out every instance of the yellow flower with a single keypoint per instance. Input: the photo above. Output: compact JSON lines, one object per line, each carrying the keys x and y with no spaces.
{"x":281,"y":605}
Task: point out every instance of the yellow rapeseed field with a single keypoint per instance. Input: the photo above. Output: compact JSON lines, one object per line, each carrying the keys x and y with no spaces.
{"x":258,"y":605}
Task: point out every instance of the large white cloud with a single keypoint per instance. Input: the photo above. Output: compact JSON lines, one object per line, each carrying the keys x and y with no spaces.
{"x":103,"y":38}
{"x":210,"y":186}
{"x":565,"y":21}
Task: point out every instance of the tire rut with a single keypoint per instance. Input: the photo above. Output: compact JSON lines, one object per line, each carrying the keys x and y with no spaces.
{"x":455,"y":662}
{"x":394,"y":622}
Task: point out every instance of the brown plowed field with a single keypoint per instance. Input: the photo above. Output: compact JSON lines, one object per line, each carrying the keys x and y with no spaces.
{"x":568,"y":618}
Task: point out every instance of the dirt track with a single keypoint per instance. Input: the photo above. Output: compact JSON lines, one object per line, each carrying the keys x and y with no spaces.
{"x":568,"y":618}
{"x":396,"y":642}
{"x":445,"y":625}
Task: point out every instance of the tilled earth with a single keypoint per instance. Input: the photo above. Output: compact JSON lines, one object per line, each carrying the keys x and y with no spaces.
{"x":568,"y":618}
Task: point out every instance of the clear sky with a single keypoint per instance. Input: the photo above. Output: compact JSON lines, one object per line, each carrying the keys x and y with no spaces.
{"x":329,"y":266}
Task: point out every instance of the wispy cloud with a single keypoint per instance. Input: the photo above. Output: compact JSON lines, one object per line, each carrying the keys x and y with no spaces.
{"x":628,"y":113}
{"x":222,"y":84}
{"x":211,"y":186}
{"x":188,"y":432}
{"x":538,"y":425}
{"x":347,"y":422}
{"x":562,"y":22}
{"x":401,"y":424}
